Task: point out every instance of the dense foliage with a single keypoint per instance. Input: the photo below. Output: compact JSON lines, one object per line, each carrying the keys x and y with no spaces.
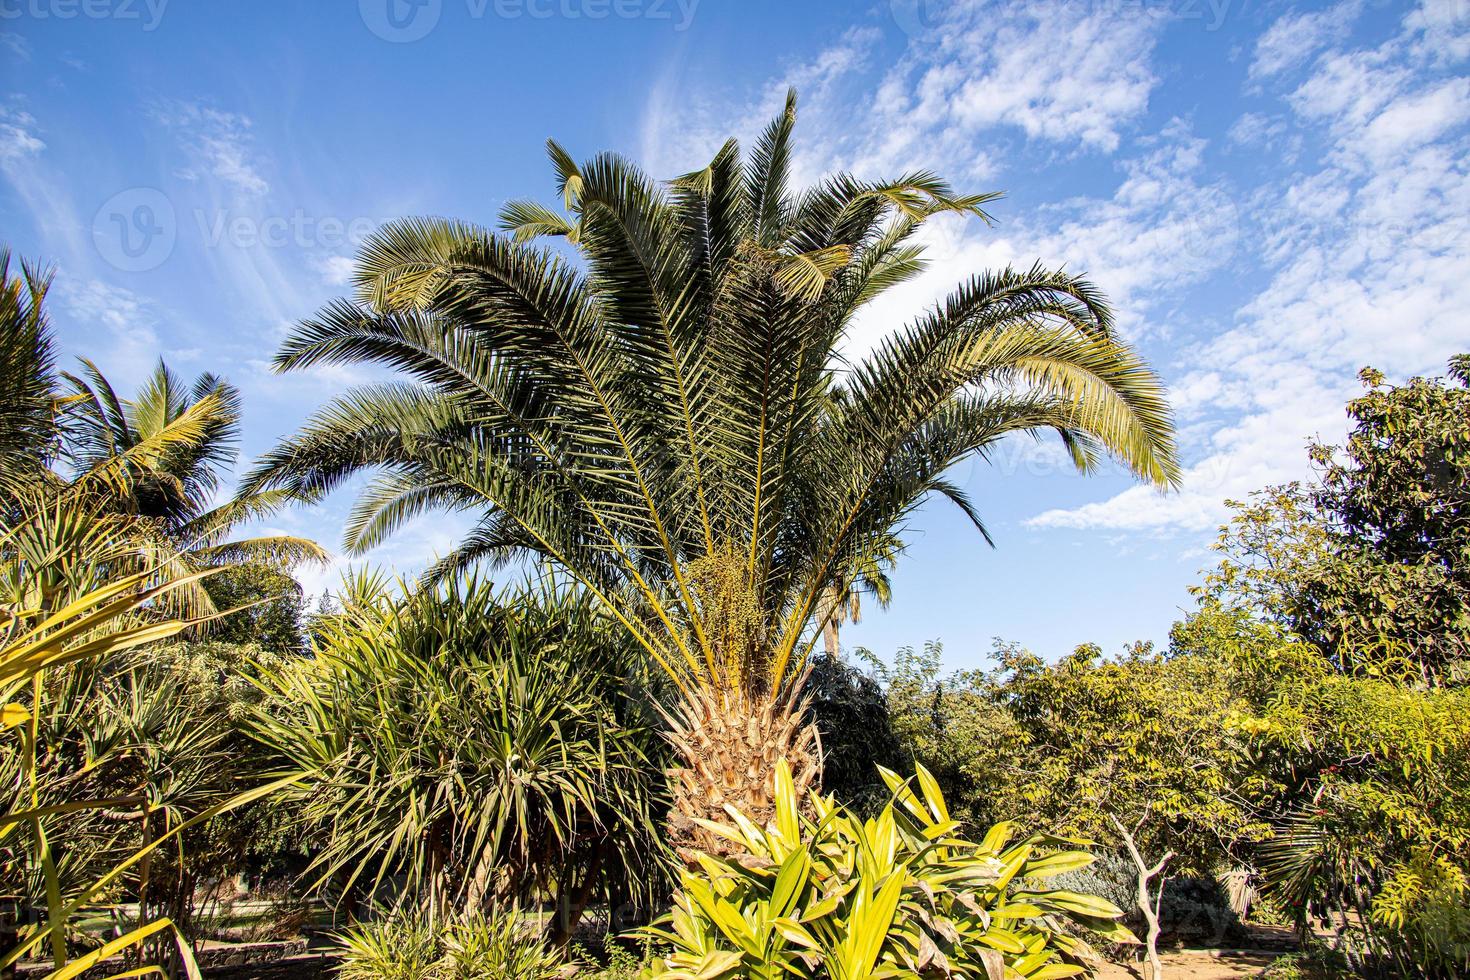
{"x":834,"y":897}
{"x":472,"y":750}
{"x":430,"y":758}
{"x":1370,"y":563}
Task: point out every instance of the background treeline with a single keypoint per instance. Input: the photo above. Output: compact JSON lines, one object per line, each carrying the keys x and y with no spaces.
{"x":1304,"y":738}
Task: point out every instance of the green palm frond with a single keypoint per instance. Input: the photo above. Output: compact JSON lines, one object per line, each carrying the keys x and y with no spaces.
{"x":159,"y":458}
{"x":29,"y":427}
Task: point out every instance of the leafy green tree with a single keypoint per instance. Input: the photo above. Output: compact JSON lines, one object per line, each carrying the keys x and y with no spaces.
{"x":1371,"y":562}
{"x":1136,"y":752}
{"x":270,"y":603}
{"x":675,"y":424}
{"x":1363,"y":781}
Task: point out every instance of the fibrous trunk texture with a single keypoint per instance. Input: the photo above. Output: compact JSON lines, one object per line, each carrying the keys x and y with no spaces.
{"x":728,"y":744}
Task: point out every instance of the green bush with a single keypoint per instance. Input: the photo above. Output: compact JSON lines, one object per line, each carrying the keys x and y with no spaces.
{"x":464,"y":748}
{"x":403,"y":947}
{"x":1317,"y":962}
{"x":1423,"y":908}
{"x":499,"y":945}
{"x":824,"y":895}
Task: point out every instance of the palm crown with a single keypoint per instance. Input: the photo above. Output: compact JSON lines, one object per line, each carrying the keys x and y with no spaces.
{"x":669,"y":415}
{"x":161,"y":457}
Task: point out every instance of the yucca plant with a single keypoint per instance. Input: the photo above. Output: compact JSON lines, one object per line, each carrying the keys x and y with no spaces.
{"x":500,"y":944}
{"x":835,"y":897}
{"x":406,"y":946}
{"x":673,"y":417}
{"x":473,"y":749}
{"x":95,"y":625}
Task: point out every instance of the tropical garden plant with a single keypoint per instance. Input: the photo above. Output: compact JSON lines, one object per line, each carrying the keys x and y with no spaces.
{"x":36,"y":643}
{"x":677,"y":419}
{"x":501,"y":944}
{"x":161,"y":457}
{"x":106,"y":762}
{"x":471,"y":749}
{"x":829,"y":895}
{"x":28,"y":424}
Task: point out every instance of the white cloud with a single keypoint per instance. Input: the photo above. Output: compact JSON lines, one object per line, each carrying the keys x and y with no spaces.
{"x":1061,"y":73}
{"x":1064,"y":75}
{"x":16,"y":44}
{"x":1441,"y":29}
{"x":336,"y":270}
{"x":1293,"y":39}
{"x":17,"y":136}
{"x":1366,"y":261}
{"x":1164,"y":228}
{"x":1417,"y":119}
{"x":125,"y":314}
{"x":218,"y":143}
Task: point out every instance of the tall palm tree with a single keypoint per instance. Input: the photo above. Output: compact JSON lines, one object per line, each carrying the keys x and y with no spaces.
{"x":28,"y":419}
{"x":161,"y":457}
{"x":671,"y":419}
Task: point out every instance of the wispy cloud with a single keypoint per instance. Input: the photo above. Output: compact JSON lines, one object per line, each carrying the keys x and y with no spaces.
{"x":1067,"y":73}
{"x":1293,"y":40}
{"x":216,"y":142}
{"x":16,"y":45}
{"x":18,"y":135}
{"x":1365,"y":261}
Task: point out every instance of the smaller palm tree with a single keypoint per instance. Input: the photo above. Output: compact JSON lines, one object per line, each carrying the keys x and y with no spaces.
{"x":162,"y":457}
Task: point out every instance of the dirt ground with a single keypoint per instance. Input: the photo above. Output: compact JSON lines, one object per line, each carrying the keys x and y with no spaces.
{"x":1199,"y":964}
{"x":1262,"y":945}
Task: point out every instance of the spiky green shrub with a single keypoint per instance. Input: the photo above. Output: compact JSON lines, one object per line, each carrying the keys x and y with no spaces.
{"x":403,"y":947}
{"x":824,"y":895}
{"x":464,"y":748}
{"x":497,"y":945}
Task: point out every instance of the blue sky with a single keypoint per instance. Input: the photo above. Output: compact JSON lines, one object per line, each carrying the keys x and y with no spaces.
{"x":1273,"y":194}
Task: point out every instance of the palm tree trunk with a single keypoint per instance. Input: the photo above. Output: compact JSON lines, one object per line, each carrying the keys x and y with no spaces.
{"x":728,"y":744}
